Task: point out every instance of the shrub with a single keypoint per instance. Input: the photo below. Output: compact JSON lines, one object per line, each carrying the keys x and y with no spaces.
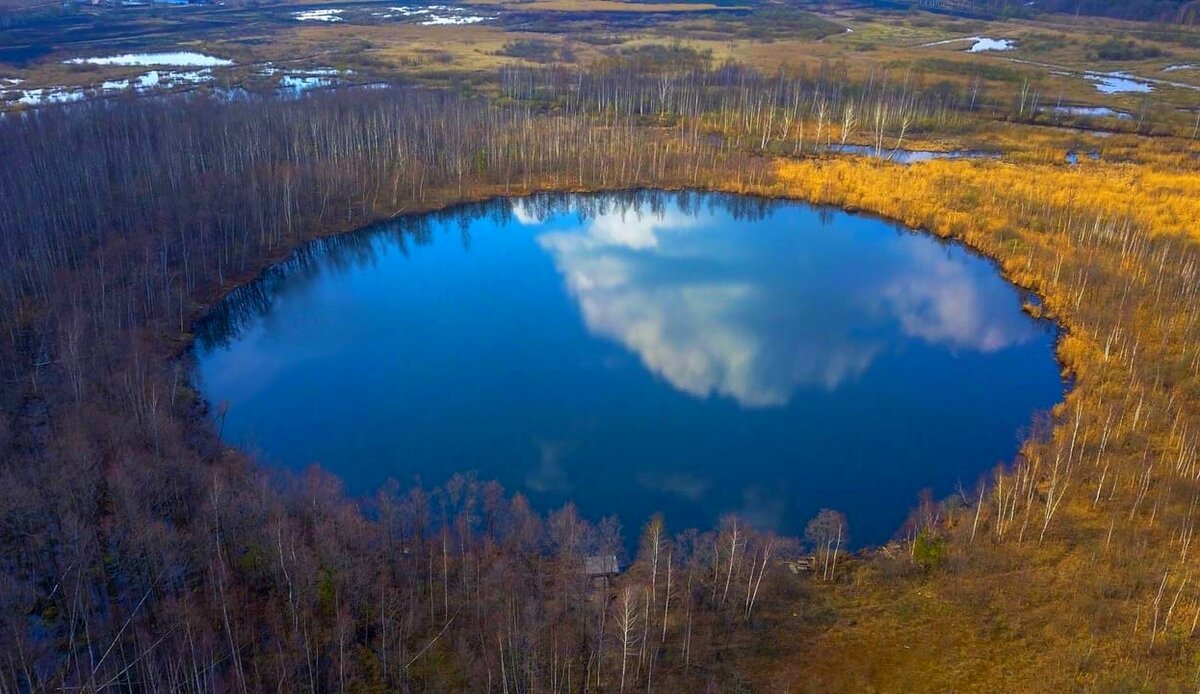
{"x":1116,"y":49}
{"x":537,"y":51}
{"x":929,"y":550}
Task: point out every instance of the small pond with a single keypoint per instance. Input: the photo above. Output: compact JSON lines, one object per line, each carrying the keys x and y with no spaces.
{"x":1091,"y":112}
{"x":909,"y":156}
{"x":1118,"y":83}
{"x":692,"y":354}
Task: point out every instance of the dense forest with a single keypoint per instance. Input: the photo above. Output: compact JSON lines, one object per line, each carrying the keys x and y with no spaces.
{"x":141,"y":553}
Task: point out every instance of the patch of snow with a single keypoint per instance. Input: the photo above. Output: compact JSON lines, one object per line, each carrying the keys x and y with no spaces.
{"x":433,"y":15}
{"x":49,"y":95}
{"x":986,"y":44}
{"x":318,"y":15}
{"x":269,"y":69}
{"x":438,"y":20}
{"x":193,"y":77}
{"x":1177,"y":68}
{"x":300,"y":84}
{"x":979,"y":44}
{"x":146,"y":82}
{"x":167,"y":80}
{"x":176,"y":59}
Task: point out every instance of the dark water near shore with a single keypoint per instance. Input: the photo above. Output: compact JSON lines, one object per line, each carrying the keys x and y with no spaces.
{"x":693,"y":354}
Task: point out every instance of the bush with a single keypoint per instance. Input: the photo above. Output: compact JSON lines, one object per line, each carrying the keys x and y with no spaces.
{"x":1116,"y":49}
{"x":537,"y":51}
{"x":929,"y":550}
{"x":657,"y":58}
{"x":778,"y":21}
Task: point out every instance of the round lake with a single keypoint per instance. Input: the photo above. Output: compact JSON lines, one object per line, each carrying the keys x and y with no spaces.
{"x":691,"y":354}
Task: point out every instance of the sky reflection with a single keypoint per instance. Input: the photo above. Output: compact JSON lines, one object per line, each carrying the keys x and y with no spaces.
{"x":689,"y":354}
{"x":756,"y":316}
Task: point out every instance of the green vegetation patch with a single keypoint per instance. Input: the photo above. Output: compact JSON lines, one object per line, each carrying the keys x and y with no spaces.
{"x":538,"y":51}
{"x":997,"y":73}
{"x":1116,"y":49}
{"x":657,"y":58}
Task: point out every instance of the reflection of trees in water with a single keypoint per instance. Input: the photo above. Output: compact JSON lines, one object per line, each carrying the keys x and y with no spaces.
{"x":689,"y":202}
{"x":251,"y":301}
{"x":343,"y":252}
{"x":715,"y":313}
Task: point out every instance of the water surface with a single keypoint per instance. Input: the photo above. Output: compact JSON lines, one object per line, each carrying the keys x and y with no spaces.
{"x":900,"y":155}
{"x":1091,"y":112}
{"x":692,"y":354}
{"x":1118,"y":83}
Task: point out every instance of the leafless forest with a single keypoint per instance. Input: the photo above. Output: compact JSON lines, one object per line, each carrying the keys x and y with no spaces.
{"x":140,"y":553}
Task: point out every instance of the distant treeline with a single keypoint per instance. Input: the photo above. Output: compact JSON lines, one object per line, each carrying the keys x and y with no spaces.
{"x":1185,"y":12}
{"x":798,"y":110}
{"x":252,"y":301}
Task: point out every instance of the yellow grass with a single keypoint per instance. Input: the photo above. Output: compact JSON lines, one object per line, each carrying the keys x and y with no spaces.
{"x":1073,"y":611}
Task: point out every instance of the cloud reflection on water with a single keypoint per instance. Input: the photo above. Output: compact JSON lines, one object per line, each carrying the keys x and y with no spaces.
{"x":756,"y":316}
{"x":602,"y":352}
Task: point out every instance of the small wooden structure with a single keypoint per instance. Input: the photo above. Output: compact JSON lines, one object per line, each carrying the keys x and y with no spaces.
{"x":601,"y":568}
{"x":803,"y":564}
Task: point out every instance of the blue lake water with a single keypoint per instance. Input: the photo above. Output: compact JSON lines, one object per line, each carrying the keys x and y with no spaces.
{"x":693,"y":354}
